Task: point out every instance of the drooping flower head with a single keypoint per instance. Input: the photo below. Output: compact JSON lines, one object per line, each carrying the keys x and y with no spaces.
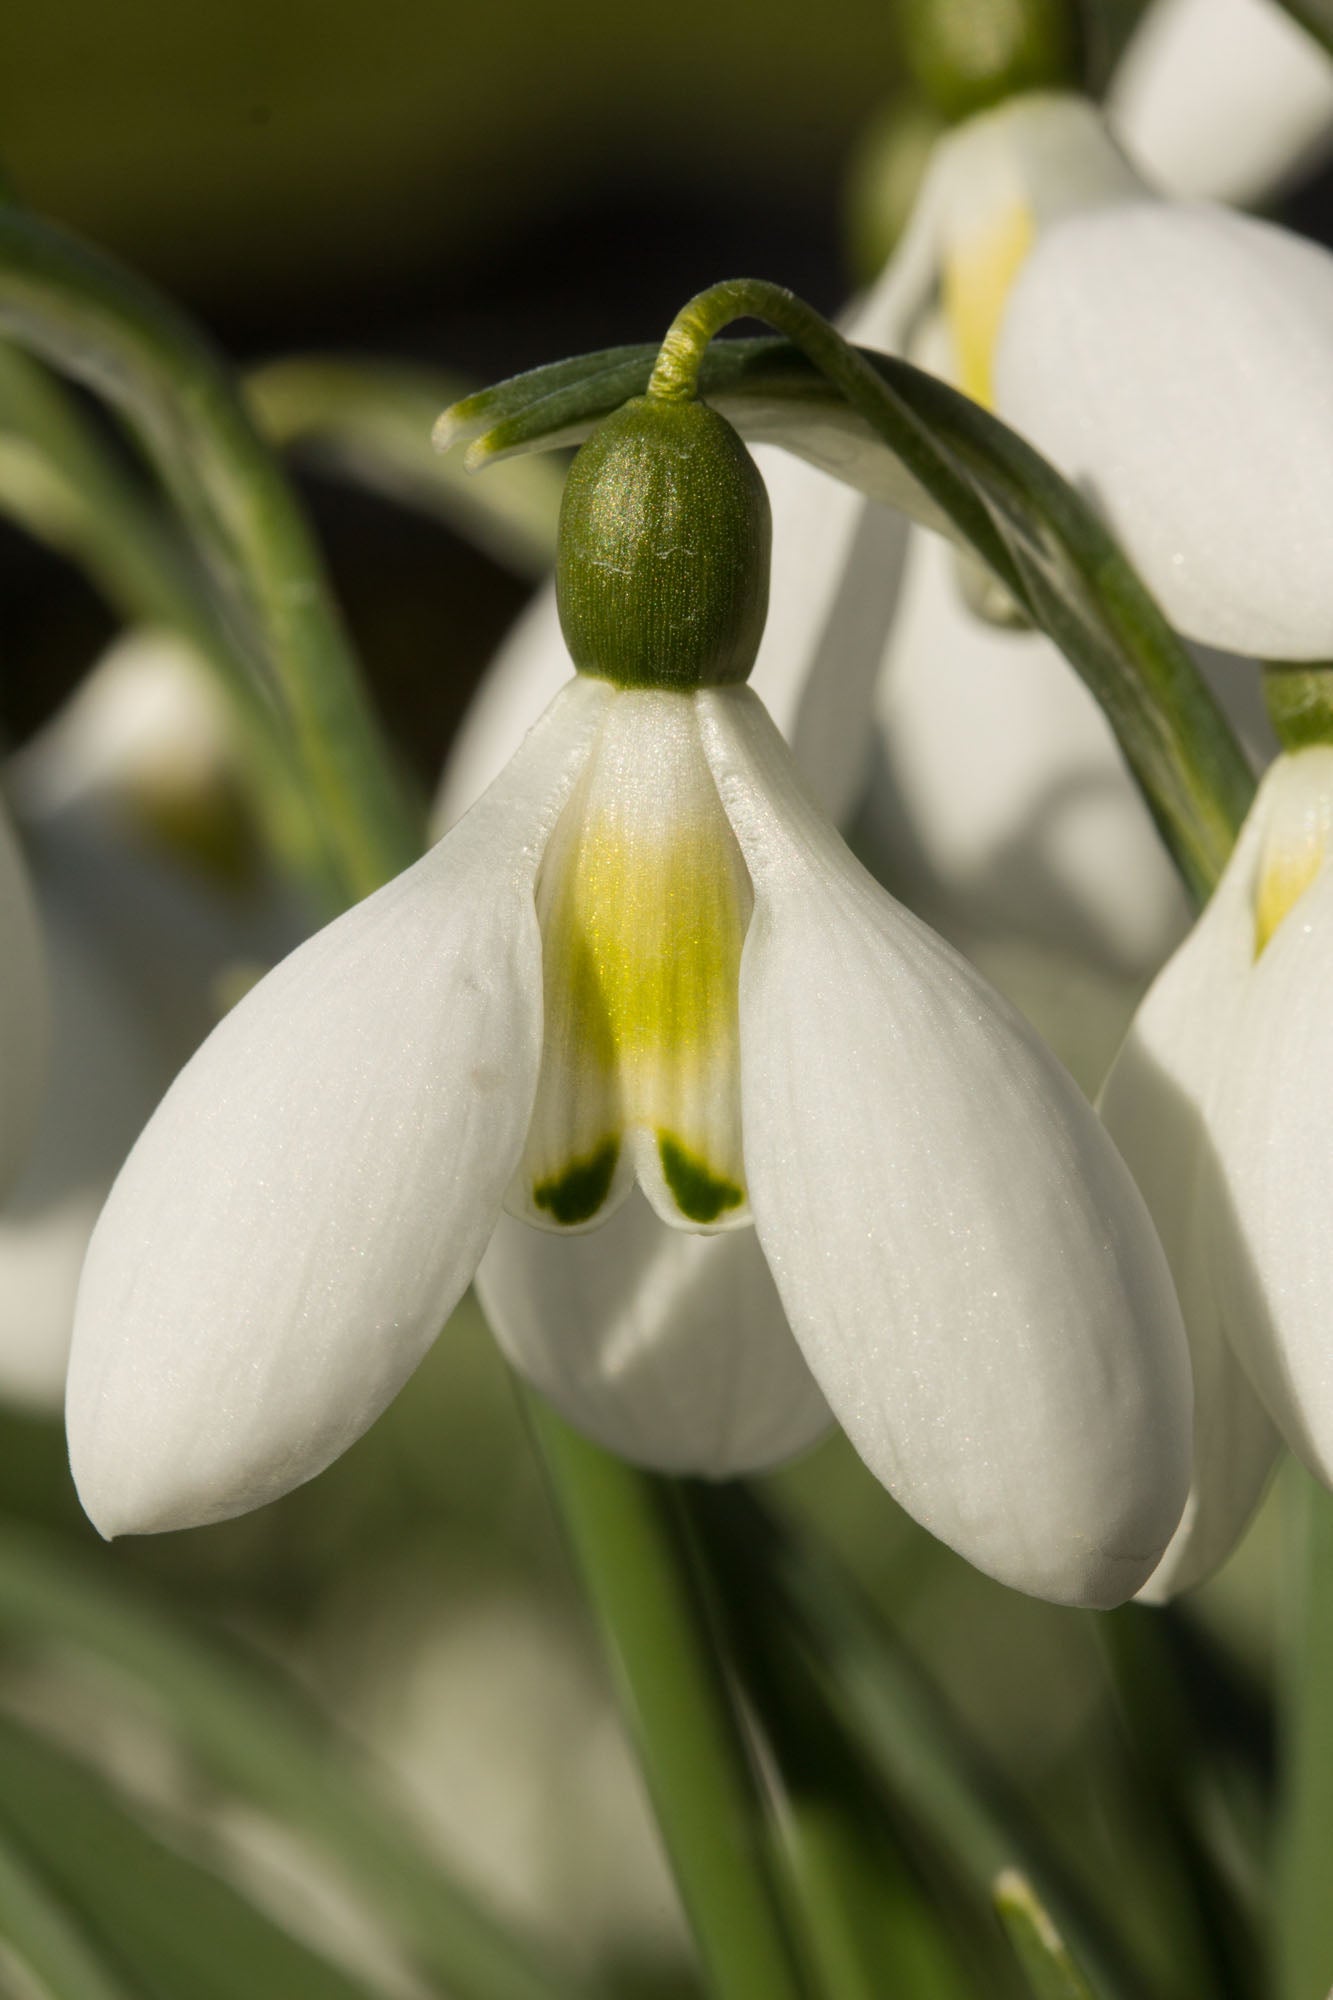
{"x":1219,"y":1100}
{"x":644,"y":974}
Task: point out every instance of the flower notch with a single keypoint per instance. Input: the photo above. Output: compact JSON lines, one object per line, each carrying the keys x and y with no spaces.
{"x":662,"y":571}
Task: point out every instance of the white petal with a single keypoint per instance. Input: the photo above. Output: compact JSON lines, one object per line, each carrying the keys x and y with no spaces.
{"x":317,"y":1187}
{"x":837,"y":559}
{"x":1173,"y":361}
{"x":1272,"y":1119}
{"x":961,"y":1252}
{"x":24,"y":1022}
{"x":526,"y":674}
{"x":669,"y":1348}
{"x":1001,"y":810}
{"x":1155,"y":1108}
{"x":1228,"y":100}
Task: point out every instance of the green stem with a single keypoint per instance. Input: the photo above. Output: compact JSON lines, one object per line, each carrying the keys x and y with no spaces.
{"x":1188,"y":764}
{"x":627,"y":1537}
{"x":89,"y":317}
{"x":865,"y":1926}
{"x":912,"y":1748}
{"x":1304,"y":1926}
{"x":675,"y":377}
{"x":59,"y":481}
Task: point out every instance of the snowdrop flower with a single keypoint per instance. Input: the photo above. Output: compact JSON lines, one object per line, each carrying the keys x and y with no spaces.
{"x":644,"y":974}
{"x":1218,"y":1102}
{"x":1225,"y":100}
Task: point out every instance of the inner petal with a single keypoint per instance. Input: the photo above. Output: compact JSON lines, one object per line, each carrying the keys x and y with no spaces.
{"x":643,"y":901}
{"x":1296,"y":839}
{"x":979,"y":273}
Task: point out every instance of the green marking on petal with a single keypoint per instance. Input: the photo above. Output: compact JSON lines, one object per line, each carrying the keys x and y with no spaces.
{"x":577,"y":1194}
{"x":700,"y":1195}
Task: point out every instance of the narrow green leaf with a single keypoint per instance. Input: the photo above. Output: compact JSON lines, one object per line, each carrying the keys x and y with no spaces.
{"x":623,"y":1528}
{"x":47,"y":1937}
{"x":92,"y":319}
{"x":176,"y":1928}
{"x":259,"y":1738}
{"x":1303,"y":1941}
{"x":371,"y":423}
{"x":866,"y":1921}
{"x":1038,"y":1945}
{"x":926,"y":449}
{"x":63,"y":484}
{"x":916,"y":1749}
{"x":1196,"y":1741}
{"x":1315,"y":16}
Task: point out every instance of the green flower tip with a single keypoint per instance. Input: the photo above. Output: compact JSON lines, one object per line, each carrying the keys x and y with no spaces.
{"x":662,"y":571}
{"x":1299,"y":698}
{"x":966,"y":55}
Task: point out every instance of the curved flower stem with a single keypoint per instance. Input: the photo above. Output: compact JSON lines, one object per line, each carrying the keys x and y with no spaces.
{"x":676,"y":377}
{"x":628,"y":1539}
{"x":1187,"y":761}
{"x":89,"y":317}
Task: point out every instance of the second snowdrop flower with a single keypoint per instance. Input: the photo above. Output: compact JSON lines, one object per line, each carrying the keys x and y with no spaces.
{"x":1220,"y":1100}
{"x":645,"y":965}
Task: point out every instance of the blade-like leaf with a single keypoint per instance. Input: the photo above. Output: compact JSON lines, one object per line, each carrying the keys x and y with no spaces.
{"x":371,"y":423}
{"x":47,"y":1937}
{"x":1316,"y":16}
{"x":89,"y":317}
{"x":174,"y":1926}
{"x":259,"y":1739}
{"x":914,"y":1747}
{"x":1040,"y":1949}
{"x":1303,"y":1940}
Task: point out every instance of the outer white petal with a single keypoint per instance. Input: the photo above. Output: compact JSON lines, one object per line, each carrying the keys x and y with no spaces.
{"x":1001,"y":810}
{"x":669,"y":1348}
{"x":962,"y":1254}
{"x":24,"y":1023}
{"x":1155,"y":1108}
{"x":318,"y":1185}
{"x":1272,"y":1120}
{"x":527,"y":672}
{"x":1173,"y":360}
{"x":1225,"y":99}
